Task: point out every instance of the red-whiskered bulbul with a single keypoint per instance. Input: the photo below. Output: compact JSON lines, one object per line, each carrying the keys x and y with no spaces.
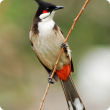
{"x":46,"y":40}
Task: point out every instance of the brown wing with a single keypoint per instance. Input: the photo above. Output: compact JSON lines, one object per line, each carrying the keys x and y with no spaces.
{"x":72,"y":67}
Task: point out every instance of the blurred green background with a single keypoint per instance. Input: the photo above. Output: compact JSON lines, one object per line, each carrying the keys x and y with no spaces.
{"x":22,"y":78}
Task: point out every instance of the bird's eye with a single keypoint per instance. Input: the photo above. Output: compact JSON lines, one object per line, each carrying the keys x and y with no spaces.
{"x":45,"y":11}
{"x":47,"y":8}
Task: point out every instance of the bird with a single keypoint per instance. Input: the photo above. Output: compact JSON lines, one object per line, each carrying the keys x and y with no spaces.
{"x":47,"y":39}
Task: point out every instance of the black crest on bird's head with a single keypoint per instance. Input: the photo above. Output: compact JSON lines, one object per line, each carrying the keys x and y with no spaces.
{"x":38,"y":1}
{"x":44,"y":6}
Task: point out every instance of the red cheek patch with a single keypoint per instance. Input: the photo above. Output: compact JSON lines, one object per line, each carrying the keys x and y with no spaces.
{"x":45,"y":11}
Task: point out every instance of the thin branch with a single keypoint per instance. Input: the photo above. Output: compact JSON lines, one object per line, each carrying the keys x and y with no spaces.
{"x":75,"y":20}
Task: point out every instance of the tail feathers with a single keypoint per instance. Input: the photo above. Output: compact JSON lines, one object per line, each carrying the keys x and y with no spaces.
{"x":73,"y":100}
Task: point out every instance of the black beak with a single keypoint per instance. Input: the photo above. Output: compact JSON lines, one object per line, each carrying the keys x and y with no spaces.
{"x":58,"y":7}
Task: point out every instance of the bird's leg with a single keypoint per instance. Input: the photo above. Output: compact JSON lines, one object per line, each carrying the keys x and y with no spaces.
{"x":50,"y":80}
{"x":64,"y":46}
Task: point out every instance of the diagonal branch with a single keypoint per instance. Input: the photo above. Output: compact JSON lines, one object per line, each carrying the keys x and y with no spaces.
{"x":75,"y":20}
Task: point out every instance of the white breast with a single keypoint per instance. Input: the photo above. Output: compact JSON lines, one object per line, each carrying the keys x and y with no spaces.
{"x":46,"y":27}
{"x":48,"y":45}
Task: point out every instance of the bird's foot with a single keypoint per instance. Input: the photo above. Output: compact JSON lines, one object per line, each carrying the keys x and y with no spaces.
{"x":50,"y":80}
{"x":64,"y":46}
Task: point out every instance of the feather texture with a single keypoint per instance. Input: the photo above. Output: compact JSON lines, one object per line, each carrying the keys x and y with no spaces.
{"x":64,"y":73}
{"x":73,"y":100}
{"x":47,"y":45}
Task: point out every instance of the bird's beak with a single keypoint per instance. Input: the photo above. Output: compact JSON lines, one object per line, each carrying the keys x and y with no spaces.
{"x":58,"y":7}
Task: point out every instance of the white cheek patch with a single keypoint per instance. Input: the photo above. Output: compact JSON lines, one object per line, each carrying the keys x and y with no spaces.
{"x":44,"y":15}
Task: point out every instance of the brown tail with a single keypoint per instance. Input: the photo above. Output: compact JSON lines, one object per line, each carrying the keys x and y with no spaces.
{"x":73,"y":100}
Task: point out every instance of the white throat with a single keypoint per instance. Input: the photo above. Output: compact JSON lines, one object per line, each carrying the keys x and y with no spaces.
{"x":46,"y":25}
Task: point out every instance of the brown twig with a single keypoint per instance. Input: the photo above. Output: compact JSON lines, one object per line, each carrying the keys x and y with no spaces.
{"x":75,"y":20}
